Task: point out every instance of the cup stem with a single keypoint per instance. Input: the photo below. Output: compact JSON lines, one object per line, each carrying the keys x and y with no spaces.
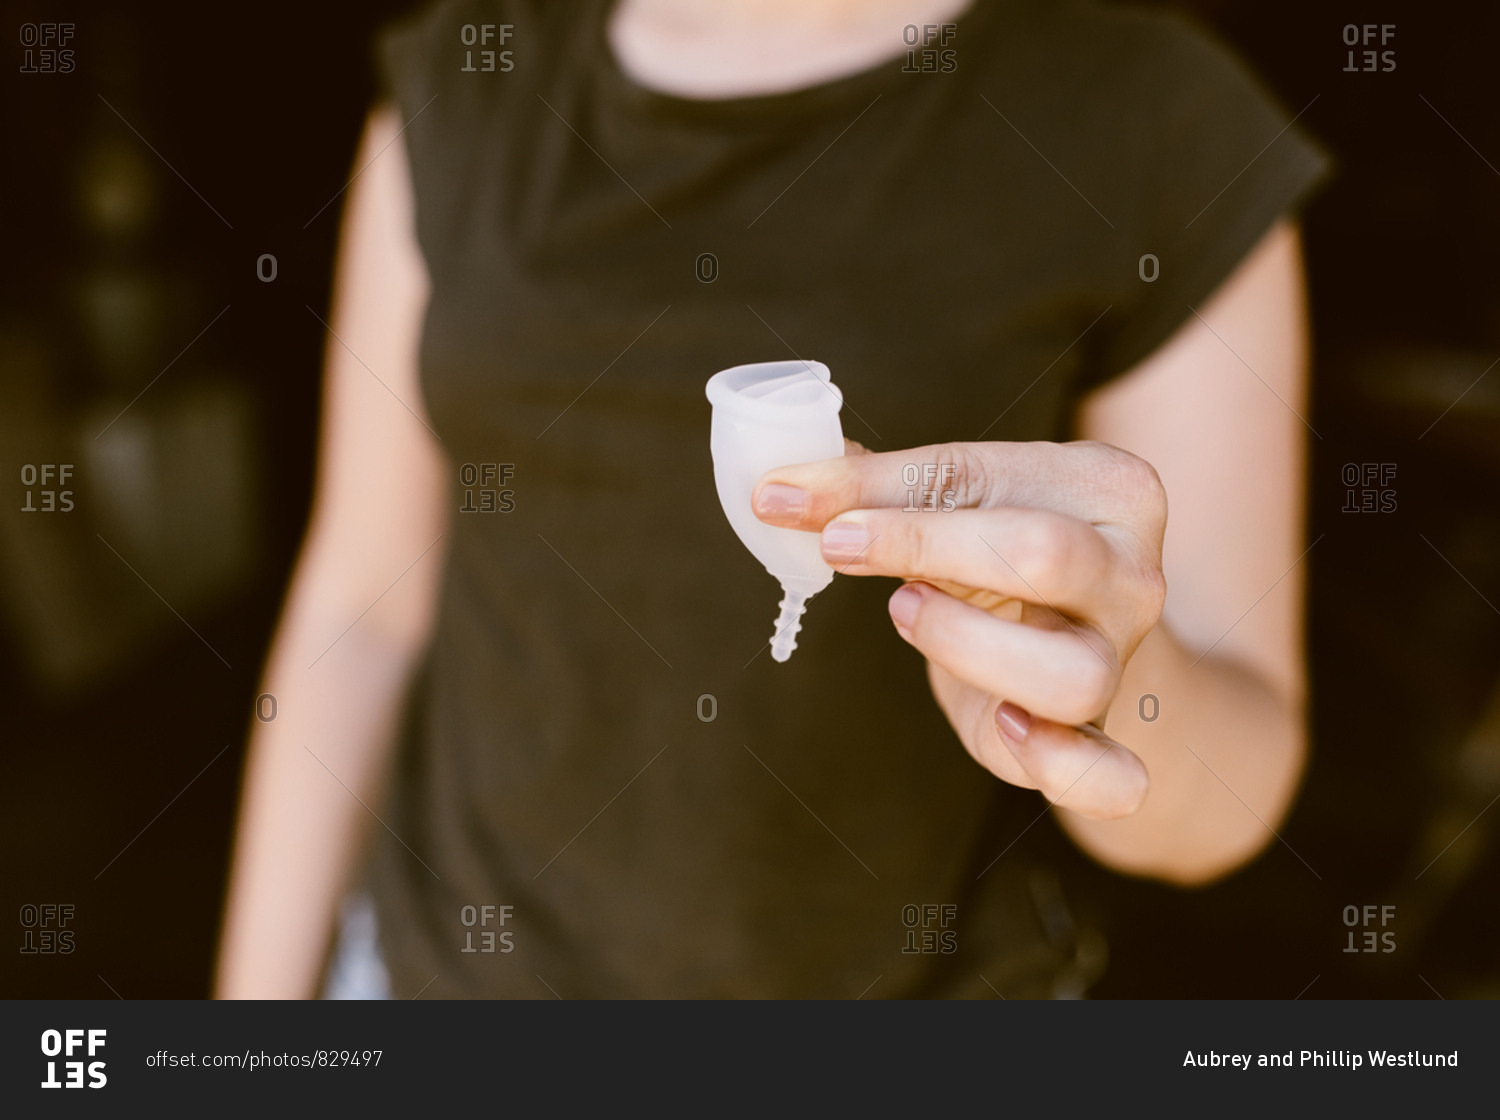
{"x":788,"y":623}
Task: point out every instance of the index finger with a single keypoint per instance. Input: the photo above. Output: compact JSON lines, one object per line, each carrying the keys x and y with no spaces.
{"x":938,"y":476}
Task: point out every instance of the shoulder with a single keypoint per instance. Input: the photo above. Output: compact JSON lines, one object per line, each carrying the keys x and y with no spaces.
{"x":1130,"y":92}
{"x":1149,"y":60}
{"x":1159,"y":105}
{"x":456,"y":71}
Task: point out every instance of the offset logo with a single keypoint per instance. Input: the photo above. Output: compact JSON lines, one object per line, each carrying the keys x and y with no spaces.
{"x":66,"y":1043}
{"x":469,"y":35}
{"x":50,"y":37}
{"x":44,"y":927}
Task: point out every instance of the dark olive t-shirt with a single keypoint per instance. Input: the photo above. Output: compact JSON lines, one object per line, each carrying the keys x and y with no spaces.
{"x":601,"y":749}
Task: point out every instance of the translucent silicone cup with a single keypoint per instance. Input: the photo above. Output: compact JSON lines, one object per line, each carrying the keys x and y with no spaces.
{"x":767,"y":415}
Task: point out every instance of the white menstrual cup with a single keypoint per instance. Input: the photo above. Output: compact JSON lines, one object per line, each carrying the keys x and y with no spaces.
{"x":767,"y":415}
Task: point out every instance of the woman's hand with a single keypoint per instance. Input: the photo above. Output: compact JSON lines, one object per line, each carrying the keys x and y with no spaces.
{"x":1033,"y":571}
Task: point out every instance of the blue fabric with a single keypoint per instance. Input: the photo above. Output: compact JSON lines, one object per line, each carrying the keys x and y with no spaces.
{"x":357,"y":970}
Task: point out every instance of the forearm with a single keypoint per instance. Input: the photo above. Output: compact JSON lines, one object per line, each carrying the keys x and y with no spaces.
{"x":311,"y":773}
{"x":1225,"y":752}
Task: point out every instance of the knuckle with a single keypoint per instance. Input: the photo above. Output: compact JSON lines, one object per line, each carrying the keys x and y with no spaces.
{"x":1128,"y":479}
{"x":1139,"y":607}
{"x":1041,"y":547}
{"x":1151,"y":497}
{"x":970,"y":470}
{"x":1093,"y":684}
{"x":910,"y":547}
{"x":1142,"y":487}
{"x":1153,"y":592}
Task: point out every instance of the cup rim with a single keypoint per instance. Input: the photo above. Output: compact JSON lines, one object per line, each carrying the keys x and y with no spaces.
{"x":722,"y":388}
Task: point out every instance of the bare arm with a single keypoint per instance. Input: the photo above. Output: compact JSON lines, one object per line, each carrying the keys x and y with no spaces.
{"x":1227,"y":748}
{"x":360,"y":607}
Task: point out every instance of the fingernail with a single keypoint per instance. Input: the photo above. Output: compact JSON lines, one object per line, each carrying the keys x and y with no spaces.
{"x":1014,"y":721}
{"x":782,"y":502}
{"x":844,"y":540}
{"x":904,"y":605}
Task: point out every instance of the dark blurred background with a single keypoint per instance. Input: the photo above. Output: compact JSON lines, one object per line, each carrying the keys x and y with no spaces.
{"x":143,"y":345}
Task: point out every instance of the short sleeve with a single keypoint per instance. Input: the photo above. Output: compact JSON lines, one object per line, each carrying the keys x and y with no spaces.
{"x":432,"y":64}
{"x":1221,"y":162}
{"x":403,"y":68}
